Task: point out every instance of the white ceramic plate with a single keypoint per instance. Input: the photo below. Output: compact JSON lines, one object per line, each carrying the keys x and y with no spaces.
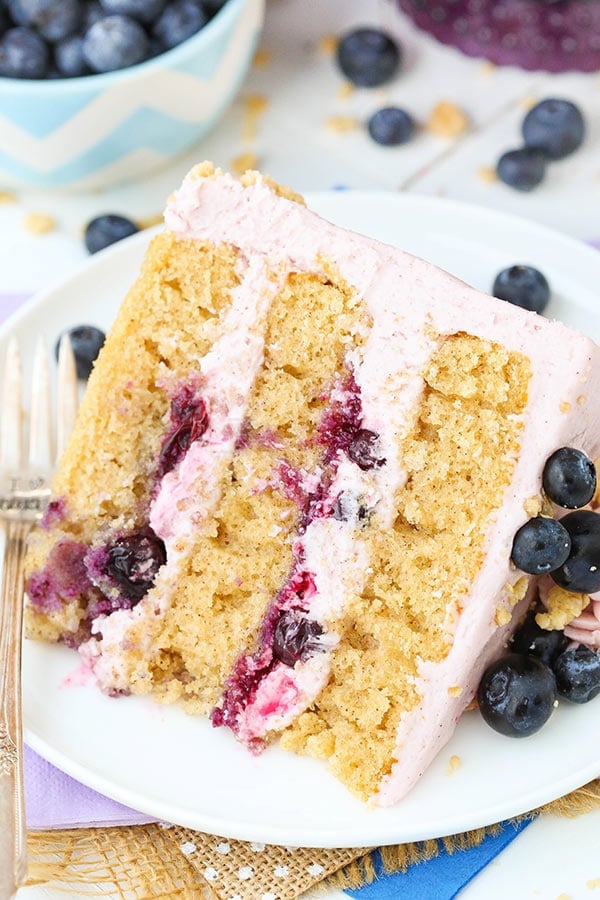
{"x":177,"y":768}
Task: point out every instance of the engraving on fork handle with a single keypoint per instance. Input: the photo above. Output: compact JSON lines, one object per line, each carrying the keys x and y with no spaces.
{"x":13,"y":834}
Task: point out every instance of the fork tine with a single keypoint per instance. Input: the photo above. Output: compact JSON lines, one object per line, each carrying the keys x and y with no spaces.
{"x":11,"y":436}
{"x":67,"y":393}
{"x":40,"y":428}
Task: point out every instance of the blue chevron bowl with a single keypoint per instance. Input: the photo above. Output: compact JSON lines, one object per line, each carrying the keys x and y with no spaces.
{"x":87,"y":133}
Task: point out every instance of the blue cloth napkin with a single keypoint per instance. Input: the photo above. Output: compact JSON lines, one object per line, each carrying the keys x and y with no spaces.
{"x":443,"y":876}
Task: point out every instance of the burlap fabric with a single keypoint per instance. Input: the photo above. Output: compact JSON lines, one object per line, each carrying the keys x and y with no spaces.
{"x":150,"y":861}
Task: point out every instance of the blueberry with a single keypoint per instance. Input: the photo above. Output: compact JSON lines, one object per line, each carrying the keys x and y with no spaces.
{"x":581,"y":572}
{"x":145,"y":11}
{"x":540,"y":545}
{"x":569,"y":478}
{"x":529,"y":638}
{"x":517,"y":695}
{"x":92,"y":13}
{"x":295,"y":637}
{"x":189,"y":428}
{"x":391,"y":126}
{"x":577,"y":674}
{"x":86,"y":341}
{"x":364,"y":449}
{"x":554,"y":126}
{"x":179,"y":21}
{"x":212,"y":7}
{"x":368,"y":57}
{"x":107,"y":229}
{"x":522,"y":286}
{"x":23,"y":54}
{"x":115,"y":42}
{"x":68,"y":56}
{"x":348,"y":508}
{"x":52,"y":19}
{"x":134,"y":561}
{"x":522,"y":169}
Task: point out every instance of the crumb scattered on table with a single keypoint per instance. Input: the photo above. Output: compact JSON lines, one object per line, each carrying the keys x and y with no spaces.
{"x":149,"y":221}
{"x":593,"y":883}
{"x":564,"y":896}
{"x":487,"y":68}
{"x":243,"y":162}
{"x":328,"y":44}
{"x":7,"y":197}
{"x":528,"y":101}
{"x":39,"y":223}
{"x":254,"y":106}
{"x":262,"y":58}
{"x":341,"y":124}
{"x":345,"y":90}
{"x":447,"y":120}
{"x":487,"y":174}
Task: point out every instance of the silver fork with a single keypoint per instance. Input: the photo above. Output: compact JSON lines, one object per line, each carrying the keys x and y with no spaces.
{"x":25,"y":474}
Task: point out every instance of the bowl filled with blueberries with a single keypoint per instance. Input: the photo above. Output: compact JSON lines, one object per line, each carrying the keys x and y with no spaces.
{"x":96,"y":92}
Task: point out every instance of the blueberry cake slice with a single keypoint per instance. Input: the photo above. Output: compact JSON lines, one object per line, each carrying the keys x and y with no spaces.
{"x":291,"y":495}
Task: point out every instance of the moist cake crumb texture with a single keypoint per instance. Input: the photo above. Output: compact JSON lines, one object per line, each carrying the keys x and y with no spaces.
{"x":292,"y":489}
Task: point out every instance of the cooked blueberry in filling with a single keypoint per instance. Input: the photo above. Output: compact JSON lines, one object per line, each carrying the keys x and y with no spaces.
{"x":295,"y":637}
{"x":189,"y":418}
{"x":348,"y":508}
{"x":365,"y":450}
{"x":134,"y":561}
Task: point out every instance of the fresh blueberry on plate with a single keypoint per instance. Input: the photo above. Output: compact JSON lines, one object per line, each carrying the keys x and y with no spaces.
{"x":541,"y":545}
{"x":523,"y":286}
{"x":569,"y":478}
{"x":517,"y":695}
{"x":577,"y":674}
{"x":581,"y":571}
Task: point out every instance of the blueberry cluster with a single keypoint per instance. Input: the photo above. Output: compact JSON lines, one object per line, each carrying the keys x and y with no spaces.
{"x":519,"y":691}
{"x":567,"y":549}
{"x":71,"y":38}
{"x":553,"y":129}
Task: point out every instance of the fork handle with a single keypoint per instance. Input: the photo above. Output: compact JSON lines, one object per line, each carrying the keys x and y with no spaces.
{"x":13,"y":832}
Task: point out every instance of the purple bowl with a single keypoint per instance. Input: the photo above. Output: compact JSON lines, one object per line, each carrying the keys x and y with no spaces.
{"x":531,"y":34}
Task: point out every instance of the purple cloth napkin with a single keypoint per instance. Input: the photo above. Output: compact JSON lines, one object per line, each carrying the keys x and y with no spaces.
{"x":54,"y":800}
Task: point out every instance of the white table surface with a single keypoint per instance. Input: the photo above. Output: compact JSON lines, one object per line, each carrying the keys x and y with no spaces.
{"x":554,"y":857}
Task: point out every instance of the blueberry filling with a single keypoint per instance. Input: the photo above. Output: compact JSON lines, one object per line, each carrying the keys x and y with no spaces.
{"x":348,"y":508}
{"x":295,"y":637}
{"x":364,"y":450}
{"x":133,"y":563}
{"x":189,"y":421}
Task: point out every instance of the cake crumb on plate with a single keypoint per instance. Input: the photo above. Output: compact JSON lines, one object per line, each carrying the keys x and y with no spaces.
{"x":447,"y":120}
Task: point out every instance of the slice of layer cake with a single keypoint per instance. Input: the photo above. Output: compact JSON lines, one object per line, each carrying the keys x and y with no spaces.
{"x":290,"y":498}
